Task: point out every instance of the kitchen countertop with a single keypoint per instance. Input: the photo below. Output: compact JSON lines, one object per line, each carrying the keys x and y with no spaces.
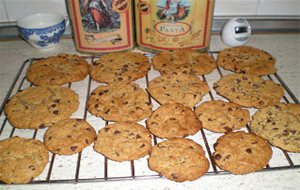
{"x":286,"y":49}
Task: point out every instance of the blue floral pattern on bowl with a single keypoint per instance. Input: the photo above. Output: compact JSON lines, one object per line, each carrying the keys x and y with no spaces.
{"x":43,"y":37}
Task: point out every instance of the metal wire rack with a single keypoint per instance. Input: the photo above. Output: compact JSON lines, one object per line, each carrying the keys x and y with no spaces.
{"x":97,"y":168}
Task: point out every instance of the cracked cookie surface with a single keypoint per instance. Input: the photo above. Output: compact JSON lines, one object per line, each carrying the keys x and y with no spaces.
{"x":40,"y":107}
{"x":280,"y":125}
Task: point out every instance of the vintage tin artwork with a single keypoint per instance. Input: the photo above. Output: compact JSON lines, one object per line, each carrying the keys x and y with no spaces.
{"x":172,"y":24}
{"x":102,"y":26}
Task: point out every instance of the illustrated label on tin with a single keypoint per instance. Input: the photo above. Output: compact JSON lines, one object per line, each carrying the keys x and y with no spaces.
{"x":102,"y":25}
{"x":173,"y":24}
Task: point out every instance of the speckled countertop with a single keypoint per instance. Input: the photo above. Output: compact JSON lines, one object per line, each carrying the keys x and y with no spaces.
{"x":286,"y":49}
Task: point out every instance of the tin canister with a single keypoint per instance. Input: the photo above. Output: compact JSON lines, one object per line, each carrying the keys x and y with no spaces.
{"x":102,"y":26}
{"x":173,"y":24}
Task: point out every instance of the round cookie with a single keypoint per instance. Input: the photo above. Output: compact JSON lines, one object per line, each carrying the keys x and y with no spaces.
{"x":186,"y":61}
{"x":58,"y":70}
{"x":249,"y":90}
{"x":120,"y":101}
{"x":178,"y":88}
{"x":123,"y":141}
{"x":69,"y":136}
{"x":40,"y":107}
{"x":280,"y":125}
{"x":221,"y":117}
{"x":173,"y":120}
{"x":178,"y":159}
{"x":241,"y":153}
{"x":120,"y":66}
{"x":246,"y":59}
{"x":21,"y":160}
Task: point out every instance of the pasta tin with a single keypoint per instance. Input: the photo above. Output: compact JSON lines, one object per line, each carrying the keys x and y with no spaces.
{"x":102,"y":26}
{"x":173,"y":24}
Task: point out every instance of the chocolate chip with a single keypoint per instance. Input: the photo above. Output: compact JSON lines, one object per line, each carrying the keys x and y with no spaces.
{"x":86,"y":141}
{"x":218,"y":156}
{"x":42,"y":126}
{"x":69,"y":136}
{"x":255,"y":142}
{"x":56,"y":112}
{"x":227,"y":157}
{"x":117,"y":132}
{"x":96,"y":106}
{"x":143,"y":145}
{"x":107,"y":111}
{"x":88,"y":129}
{"x":174,"y":176}
{"x":285,"y":133}
{"x":248,"y":150}
{"x":73,"y":148}
{"x":293,"y":131}
{"x":56,"y":100}
{"x":31,"y":167}
{"x":172,"y":118}
{"x":138,"y":136}
{"x":106,"y":129}
{"x":53,"y":105}
{"x":49,"y":138}
{"x":209,"y":119}
{"x":227,"y":129}
{"x":275,"y":128}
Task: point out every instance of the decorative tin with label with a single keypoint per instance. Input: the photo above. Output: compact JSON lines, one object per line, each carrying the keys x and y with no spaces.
{"x":173,"y":24}
{"x":102,"y":26}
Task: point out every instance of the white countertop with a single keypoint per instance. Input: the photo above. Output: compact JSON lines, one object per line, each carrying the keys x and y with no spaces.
{"x":286,"y":49}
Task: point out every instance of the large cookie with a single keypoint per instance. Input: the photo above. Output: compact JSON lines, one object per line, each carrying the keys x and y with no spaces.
{"x":280,"y":125}
{"x":178,"y":88}
{"x":173,"y":120}
{"x":246,"y":59}
{"x":249,"y":90}
{"x":120,"y":66}
{"x":69,"y":136}
{"x":241,"y":153}
{"x":21,"y":160}
{"x":58,"y":70}
{"x":219,"y":116}
{"x":39,"y":107}
{"x":186,"y":61}
{"x":123,"y":141}
{"x":179,"y":159}
{"x":120,"y":101}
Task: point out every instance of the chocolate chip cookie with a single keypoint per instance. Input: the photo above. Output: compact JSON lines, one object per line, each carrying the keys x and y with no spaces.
{"x":119,"y":67}
{"x":123,"y":141}
{"x":21,"y":160}
{"x":246,"y":59}
{"x":186,"y":61}
{"x":241,"y":153}
{"x":280,"y":125}
{"x":178,"y":88}
{"x":40,"y":107}
{"x":221,"y":117}
{"x":179,"y":159}
{"x":120,"y":101}
{"x":173,"y":120}
{"x":249,"y":90}
{"x":58,"y":70}
{"x":69,"y":136}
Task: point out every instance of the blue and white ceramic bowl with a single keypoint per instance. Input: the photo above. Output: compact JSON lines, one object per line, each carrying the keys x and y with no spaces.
{"x":42,"y":30}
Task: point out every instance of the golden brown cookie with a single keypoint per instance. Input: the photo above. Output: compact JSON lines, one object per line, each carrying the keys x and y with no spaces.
{"x":246,"y":59}
{"x":119,"y":67}
{"x":21,"y":160}
{"x":178,"y":88}
{"x":173,"y":120}
{"x":241,"y":153}
{"x":42,"y":106}
{"x":179,"y":159}
{"x":69,"y":136}
{"x":186,"y":61}
{"x":58,"y":70}
{"x":120,"y":101}
{"x":221,"y":117}
{"x":249,"y":90}
{"x":280,"y":125}
{"x":123,"y":141}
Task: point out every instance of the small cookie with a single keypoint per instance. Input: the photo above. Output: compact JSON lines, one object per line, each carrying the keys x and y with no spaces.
{"x":178,"y":88}
{"x":40,"y":107}
{"x":58,"y":70}
{"x":249,"y":90}
{"x":120,"y":101}
{"x":246,"y":59}
{"x":123,"y":141}
{"x":221,"y":117}
{"x":179,"y":159}
{"x":119,"y":67}
{"x":21,"y":160}
{"x":69,"y":136}
{"x":280,"y":125}
{"x":173,"y":120}
{"x":241,"y":153}
{"x":186,"y":61}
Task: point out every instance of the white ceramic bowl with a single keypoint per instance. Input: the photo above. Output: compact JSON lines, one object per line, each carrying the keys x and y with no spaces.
{"x":42,"y":30}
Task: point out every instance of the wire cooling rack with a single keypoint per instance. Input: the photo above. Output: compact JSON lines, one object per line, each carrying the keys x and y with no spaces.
{"x":89,"y":166}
